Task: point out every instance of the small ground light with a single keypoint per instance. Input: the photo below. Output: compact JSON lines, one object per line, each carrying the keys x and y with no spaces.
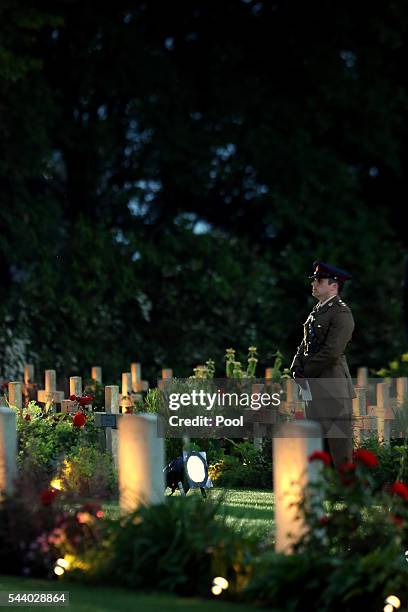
{"x":393,"y":601}
{"x":56,"y":483}
{"x":60,"y":570}
{"x":221,"y":582}
{"x":388,"y":608}
{"x":406,"y":555}
{"x":63,"y":563}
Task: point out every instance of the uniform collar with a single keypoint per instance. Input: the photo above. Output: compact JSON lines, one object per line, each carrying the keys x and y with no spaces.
{"x":320,"y":304}
{"x":323,"y":306}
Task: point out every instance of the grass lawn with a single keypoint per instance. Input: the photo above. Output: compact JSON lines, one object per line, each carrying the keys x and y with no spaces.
{"x":104,"y":599}
{"x":249,"y":509}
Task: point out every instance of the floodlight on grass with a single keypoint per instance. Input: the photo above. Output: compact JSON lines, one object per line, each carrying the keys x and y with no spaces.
{"x":189,"y":471}
{"x":196,"y":469}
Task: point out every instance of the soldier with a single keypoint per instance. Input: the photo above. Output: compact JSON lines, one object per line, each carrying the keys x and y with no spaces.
{"x":321,"y":361}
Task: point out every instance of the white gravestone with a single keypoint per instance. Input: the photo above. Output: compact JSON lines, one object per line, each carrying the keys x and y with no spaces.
{"x":8,"y":450}
{"x":141,"y":462}
{"x":292,"y":445}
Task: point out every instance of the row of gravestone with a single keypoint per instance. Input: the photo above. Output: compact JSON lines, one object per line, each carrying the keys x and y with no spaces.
{"x":375,"y":408}
{"x":131,"y":388}
{"x":380,"y":407}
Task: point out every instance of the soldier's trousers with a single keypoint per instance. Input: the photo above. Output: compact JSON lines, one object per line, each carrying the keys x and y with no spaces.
{"x":334,"y":416}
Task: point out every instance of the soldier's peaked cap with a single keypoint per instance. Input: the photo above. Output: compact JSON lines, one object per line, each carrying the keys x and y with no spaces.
{"x":324,"y":270}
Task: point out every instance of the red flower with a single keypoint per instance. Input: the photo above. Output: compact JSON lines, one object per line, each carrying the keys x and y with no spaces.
{"x":27,"y":417}
{"x":399,"y":488}
{"x":72,"y":398}
{"x":129,"y":410}
{"x":397,"y":520}
{"x":366,"y":457}
{"x":320,"y":456}
{"x":324,"y":520}
{"x":85,"y":399}
{"x":47,"y":496}
{"x":79,"y":420}
{"x":347,"y":469}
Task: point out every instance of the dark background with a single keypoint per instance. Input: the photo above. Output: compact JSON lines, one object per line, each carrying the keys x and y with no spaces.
{"x":170,"y":170}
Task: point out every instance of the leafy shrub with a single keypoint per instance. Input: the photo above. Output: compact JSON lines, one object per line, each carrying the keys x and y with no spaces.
{"x":88,"y":472}
{"x":397,"y":367}
{"x":45,"y":438}
{"x":37,"y":527}
{"x":97,"y":390}
{"x":185,"y":540}
{"x":48,"y":443}
{"x":351,"y":555}
{"x":246,"y":466}
{"x":392,"y":460}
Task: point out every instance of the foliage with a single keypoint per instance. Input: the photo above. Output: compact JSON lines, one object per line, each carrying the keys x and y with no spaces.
{"x":56,"y":446}
{"x":97,"y":391}
{"x":186,"y":540}
{"x":37,"y":529}
{"x":352,"y":553}
{"x":87,"y":472}
{"x":122,"y":189}
{"x":45,"y":438}
{"x":397,"y":367}
{"x":245,"y":466}
{"x":392,"y":458}
{"x":233,"y":368}
{"x":154,"y":401}
{"x":277,"y":372}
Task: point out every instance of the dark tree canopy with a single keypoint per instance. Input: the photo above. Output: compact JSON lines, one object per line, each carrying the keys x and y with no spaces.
{"x":169,"y":171}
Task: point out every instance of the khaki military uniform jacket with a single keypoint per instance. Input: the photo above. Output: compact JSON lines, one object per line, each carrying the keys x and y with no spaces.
{"x":327,"y":331}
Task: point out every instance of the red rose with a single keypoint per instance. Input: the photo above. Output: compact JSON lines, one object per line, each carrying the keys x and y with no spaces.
{"x":27,"y":417}
{"x":320,"y":456}
{"x":399,"y":488}
{"x":72,"y":398}
{"x":366,"y":457}
{"x":397,"y":520}
{"x":79,"y":420}
{"x":347,"y":466}
{"x":47,"y":496}
{"x":347,"y":469}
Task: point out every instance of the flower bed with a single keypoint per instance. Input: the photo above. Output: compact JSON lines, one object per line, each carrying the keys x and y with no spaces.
{"x":64,"y":448}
